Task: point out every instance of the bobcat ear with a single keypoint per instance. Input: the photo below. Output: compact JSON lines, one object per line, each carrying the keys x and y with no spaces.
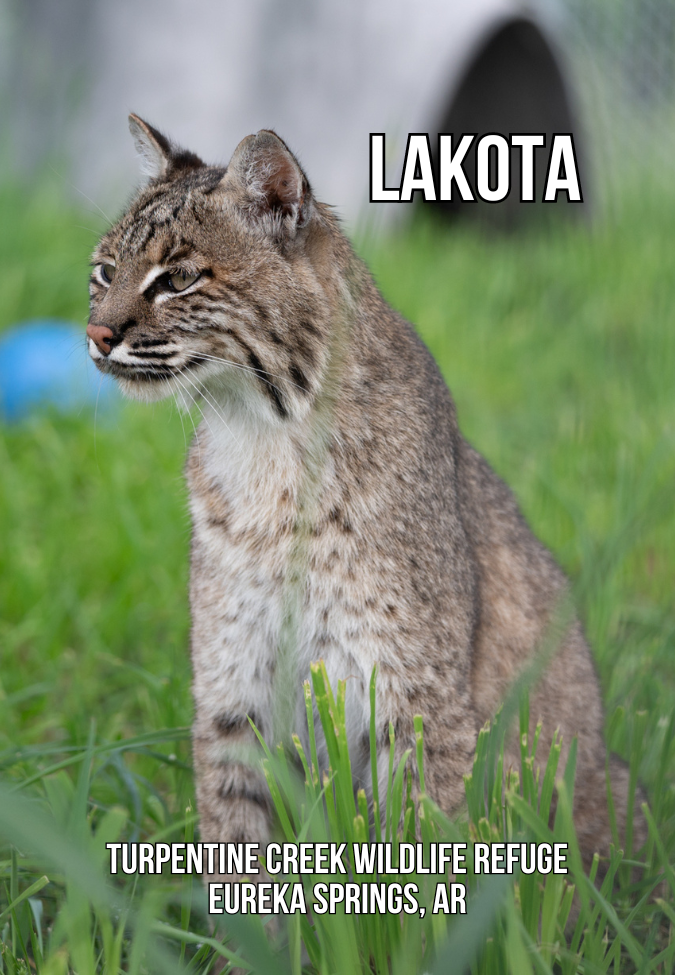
{"x":159,"y":157}
{"x":153,"y":148}
{"x":277,"y":189}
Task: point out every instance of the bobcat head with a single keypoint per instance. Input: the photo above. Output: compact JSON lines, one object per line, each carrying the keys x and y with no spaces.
{"x":215,"y":279}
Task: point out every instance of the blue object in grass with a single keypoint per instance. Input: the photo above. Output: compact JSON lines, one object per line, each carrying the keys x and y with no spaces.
{"x":45,"y":362}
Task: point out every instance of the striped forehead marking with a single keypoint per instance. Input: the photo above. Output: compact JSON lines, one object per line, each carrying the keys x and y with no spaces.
{"x":161,"y":207}
{"x":158,"y":214}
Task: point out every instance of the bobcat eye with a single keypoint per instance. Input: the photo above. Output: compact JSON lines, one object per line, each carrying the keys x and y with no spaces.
{"x":108,"y":272}
{"x":182,"y":280}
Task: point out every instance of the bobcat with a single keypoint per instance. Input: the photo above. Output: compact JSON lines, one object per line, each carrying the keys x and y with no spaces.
{"x":234,"y":287}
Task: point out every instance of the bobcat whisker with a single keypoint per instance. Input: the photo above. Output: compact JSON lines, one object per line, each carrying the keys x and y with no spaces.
{"x":241,"y":365}
{"x":205,"y":417}
{"x":174,"y":395}
{"x":212,"y":403}
{"x":81,"y":192}
{"x":98,"y":395}
{"x":187,"y":400}
{"x":196,"y":431}
{"x":90,"y":230}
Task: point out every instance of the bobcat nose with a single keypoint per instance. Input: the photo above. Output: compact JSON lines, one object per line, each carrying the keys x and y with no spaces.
{"x":102,"y":336}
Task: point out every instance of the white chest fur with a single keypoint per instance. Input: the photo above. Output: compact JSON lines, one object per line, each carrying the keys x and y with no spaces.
{"x":246,"y":480}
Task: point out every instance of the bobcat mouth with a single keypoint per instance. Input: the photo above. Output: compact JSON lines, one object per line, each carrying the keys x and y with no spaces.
{"x":147,"y":372}
{"x":141,"y":374}
{"x":150,"y":371}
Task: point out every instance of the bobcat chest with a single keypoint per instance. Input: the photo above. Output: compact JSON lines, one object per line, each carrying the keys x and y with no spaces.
{"x":245,"y":484}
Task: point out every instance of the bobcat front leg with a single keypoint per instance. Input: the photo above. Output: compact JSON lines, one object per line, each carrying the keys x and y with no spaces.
{"x":232,"y":795}
{"x":232,"y":656}
{"x":450,"y":727}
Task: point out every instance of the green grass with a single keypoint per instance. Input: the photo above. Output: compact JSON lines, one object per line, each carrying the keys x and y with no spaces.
{"x":560,"y":351}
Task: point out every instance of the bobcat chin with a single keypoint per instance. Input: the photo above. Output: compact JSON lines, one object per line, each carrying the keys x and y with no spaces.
{"x":232,"y":286}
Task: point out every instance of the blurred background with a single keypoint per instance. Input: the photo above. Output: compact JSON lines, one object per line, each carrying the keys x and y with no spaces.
{"x":554,"y":327}
{"x":326,"y":74}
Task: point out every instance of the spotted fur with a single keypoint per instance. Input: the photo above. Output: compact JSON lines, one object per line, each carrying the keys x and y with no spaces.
{"x":415,"y":556}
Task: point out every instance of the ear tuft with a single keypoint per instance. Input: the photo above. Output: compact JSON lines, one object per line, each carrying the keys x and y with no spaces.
{"x":159,"y":157}
{"x":276,"y":185}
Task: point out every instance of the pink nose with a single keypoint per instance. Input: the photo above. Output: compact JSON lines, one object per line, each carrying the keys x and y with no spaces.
{"x":100,"y":334}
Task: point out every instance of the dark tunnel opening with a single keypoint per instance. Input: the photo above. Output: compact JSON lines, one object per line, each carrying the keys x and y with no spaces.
{"x":513,"y":85}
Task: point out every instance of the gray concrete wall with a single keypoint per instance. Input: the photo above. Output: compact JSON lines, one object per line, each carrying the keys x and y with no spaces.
{"x":207,"y":72}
